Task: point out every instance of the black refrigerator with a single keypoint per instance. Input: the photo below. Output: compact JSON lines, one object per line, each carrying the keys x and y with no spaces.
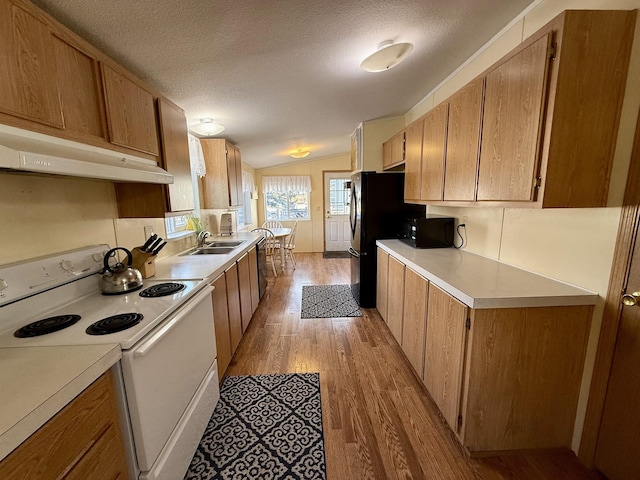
{"x":377,"y":210}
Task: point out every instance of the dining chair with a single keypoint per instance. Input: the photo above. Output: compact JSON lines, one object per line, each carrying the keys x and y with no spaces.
{"x":272,"y":224}
{"x":290,"y":244}
{"x":270,"y":246}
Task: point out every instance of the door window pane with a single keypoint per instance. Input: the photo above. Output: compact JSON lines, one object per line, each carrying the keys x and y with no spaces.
{"x":338,"y":196}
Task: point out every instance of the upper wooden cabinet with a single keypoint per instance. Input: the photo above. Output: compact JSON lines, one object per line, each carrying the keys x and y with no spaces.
{"x":222,"y":185}
{"x":413,"y":160}
{"x":28,"y":86}
{"x":538,"y":128}
{"x":144,"y":200}
{"x":513,"y":108}
{"x":463,"y":142}
{"x":131,"y":113}
{"x":393,"y":151}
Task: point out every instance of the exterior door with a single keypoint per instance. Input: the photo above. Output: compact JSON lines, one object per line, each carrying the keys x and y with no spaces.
{"x":617,"y":447}
{"x":337,"y":197}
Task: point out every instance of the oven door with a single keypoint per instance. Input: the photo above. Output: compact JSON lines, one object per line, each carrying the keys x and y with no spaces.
{"x":163,"y":374}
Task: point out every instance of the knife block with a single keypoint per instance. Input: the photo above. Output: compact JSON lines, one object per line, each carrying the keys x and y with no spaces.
{"x":144,"y":262}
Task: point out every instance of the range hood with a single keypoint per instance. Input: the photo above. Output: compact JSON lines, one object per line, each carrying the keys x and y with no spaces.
{"x":22,"y":150}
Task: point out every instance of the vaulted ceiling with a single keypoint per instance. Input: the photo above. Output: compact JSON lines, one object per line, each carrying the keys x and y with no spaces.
{"x":284,"y":74}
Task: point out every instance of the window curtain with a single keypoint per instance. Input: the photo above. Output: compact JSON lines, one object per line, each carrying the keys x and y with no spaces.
{"x":196,"y":156}
{"x":248,"y":184}
{"x":283,"y":184}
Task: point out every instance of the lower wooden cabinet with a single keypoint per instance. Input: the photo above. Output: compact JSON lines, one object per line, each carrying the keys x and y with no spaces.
{"x":233,"y":303}
{"x":382,"y":283}
{"x":221,"y":324}
{"x":253,"y":278}
{"x":81,"y":441}
{"x":503,"y":378}
{"x":244,"y":283}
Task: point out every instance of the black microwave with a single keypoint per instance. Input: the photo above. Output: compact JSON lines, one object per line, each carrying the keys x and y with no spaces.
{"x":431,"y":231}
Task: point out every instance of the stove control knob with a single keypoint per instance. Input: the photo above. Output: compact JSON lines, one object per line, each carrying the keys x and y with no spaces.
{"x":3,"y":284}
{"x":66,"y":265}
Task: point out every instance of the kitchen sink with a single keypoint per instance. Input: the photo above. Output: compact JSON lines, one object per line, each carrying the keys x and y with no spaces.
{"x":223,"y":243}
{"x":208,"y":251}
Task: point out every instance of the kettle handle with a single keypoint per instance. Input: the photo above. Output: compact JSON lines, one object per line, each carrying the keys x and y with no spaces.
{"x":112,"y":253}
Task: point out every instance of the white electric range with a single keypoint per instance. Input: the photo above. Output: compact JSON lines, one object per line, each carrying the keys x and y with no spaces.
{"x":167,"y":378}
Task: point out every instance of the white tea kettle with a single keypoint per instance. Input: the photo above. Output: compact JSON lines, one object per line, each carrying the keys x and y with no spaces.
{"x":120,"y":278}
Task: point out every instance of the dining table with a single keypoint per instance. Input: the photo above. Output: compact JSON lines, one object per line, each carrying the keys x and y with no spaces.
{"x":280,"y":234}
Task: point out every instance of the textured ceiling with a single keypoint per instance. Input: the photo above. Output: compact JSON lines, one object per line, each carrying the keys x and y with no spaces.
{"x":283,"y":74}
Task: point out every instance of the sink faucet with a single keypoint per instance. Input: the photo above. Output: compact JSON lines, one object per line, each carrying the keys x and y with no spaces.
{"x":202,"y":236}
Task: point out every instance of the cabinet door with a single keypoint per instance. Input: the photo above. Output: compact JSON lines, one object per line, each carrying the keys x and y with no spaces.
{"x":233,"y":302}
{"x":382,"y":283}
{"x":28,"y":86}
{"x":215,"y":184}
{"x":234,"y":173}
{"x":512,"y":125}
{"x":444,"y":352}
{"x":98,"y":463}
{"x":221,"y":323}
{"x":131,"y":114}
{"x":414,"y":319}
{"x":78,"y":79}
{"x":463,"y":142}
{"x":397,"y":149}
{"x":395,"y":298}
{"x":244,"y":281}
{"x":434,"y":141}
{"x":386,"y":154}
{"x":253,"y":277}
{"x":175,"y":155}
{"x":413,"y":161}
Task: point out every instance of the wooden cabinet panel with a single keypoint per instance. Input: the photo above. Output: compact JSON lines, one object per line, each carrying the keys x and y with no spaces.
{"x":414,"y":324}
{"x":233,"y":302}
{"x":413,"y":161}
{"x":382,"y":283}
{"x":221,"y":323}
{"x":386,"y":154}
{"x":78,"y":80}
{"x":28,"y":86}
{"x":131,"y":115}
{"x":222,"y":185}
{"x":253,"y":277}
{"x":175,"y":155}
{"x":463,"y":142}
{"x":244,"y":281}
{"x":99,"y":462}
{"x":444,"y":352}
{"x":523,"y":376}
{"x":393,"y":151}
{"x":73,"y":433}
{"x":512,"y":125}
{"x":434,"y":141}
{"x":396,"y":299}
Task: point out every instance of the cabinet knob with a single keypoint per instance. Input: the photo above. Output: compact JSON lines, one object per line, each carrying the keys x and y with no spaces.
{"x":631,"y":299}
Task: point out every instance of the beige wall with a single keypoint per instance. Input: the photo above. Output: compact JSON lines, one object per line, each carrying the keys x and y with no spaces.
{"x":571,"y":245}
{"x":310,"y":234}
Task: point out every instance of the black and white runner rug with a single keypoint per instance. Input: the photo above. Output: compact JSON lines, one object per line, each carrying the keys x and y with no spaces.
{"x":264,"y":427}
{"x":328,"y":301}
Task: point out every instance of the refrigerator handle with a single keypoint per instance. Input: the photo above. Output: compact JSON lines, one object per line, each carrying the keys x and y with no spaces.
{"x":352,"y":209}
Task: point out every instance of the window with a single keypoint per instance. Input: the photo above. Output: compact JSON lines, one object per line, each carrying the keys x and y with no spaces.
{"x":339,"y":196}
{"x":243,"y":214}
{"x":287,"y":198}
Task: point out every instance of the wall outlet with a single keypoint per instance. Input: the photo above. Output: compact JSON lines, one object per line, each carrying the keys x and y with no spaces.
{"x":148,"y":231}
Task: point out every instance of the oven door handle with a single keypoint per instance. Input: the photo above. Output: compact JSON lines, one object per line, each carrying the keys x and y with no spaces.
{"x":147,"y":345}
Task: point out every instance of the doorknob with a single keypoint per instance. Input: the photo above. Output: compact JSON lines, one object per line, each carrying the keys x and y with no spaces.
{"x":328,"y":214}
{"x":631,"y":299}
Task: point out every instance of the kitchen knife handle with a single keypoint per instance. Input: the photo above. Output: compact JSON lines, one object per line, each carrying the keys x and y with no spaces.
{"x":148,"y":243}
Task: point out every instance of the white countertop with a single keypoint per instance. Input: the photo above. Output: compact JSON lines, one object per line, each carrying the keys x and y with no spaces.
{"x":36,"y":383}
{"x":208,"y":267}
{"x":480,"y":282}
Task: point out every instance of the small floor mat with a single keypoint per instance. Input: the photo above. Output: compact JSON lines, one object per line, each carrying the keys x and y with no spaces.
{"x":328,"y":301}
{"x":336,"y":254}
{"x":264,"y":427}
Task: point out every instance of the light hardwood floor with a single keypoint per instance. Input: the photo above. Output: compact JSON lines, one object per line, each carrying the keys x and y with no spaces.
{"x":379,"y":422}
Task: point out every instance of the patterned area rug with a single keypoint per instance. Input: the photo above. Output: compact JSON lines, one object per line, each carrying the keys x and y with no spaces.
{"x":328,"y":301}
{"x":264,"y":427}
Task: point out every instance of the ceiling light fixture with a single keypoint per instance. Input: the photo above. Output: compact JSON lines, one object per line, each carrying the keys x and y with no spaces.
{"x":300,"y":153}
{"x":207,"y":128}
{"x":387,"y":56}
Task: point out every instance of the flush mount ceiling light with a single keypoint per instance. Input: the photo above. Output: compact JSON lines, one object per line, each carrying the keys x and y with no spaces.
{"x":389,"y":55}
{"x":207,"y":128}
{"x":300,"y":153}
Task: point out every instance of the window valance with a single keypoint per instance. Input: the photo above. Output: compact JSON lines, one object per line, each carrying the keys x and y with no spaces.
{"x":283,"y":184}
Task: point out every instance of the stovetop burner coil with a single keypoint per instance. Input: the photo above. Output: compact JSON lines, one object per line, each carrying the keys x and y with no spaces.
{"x":162,"y":289}
{"x":115,"y":323}
{"x":47,"y":325}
